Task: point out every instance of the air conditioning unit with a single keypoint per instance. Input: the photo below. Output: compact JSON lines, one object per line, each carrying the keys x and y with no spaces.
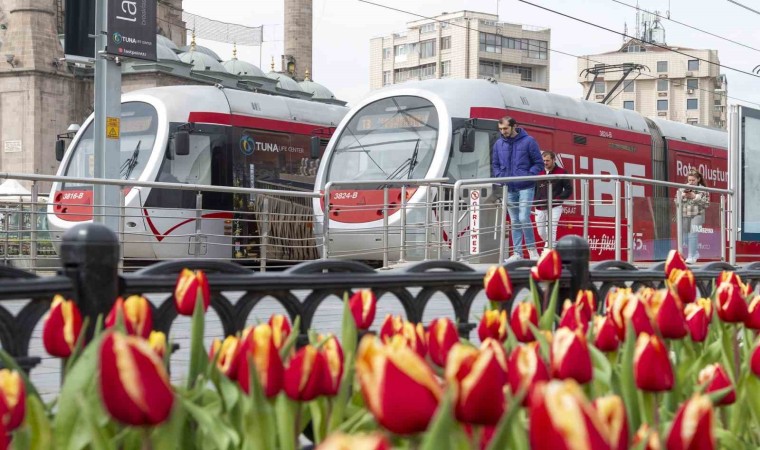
{"x":663,"y":75}
{"x":662,"y":113}
{"x":689,"y":74}
{"x":690,"y":91}
{"x":662,"y":94}
{"x":599,"y":96}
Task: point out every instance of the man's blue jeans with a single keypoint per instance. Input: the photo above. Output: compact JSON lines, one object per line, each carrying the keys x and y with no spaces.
{"x":519,"y":204}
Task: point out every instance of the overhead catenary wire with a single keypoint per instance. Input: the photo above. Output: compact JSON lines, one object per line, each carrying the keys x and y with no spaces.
{"x":422,"y":16}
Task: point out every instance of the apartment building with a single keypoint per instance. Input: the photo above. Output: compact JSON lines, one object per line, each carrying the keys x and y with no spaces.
{"x":463,"y":44}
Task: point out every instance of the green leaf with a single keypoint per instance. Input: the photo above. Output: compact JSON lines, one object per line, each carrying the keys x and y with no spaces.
{"x":290,"y":342}
{"x":437,"y":436}
{"x":726,"y":439}
{"x":548,"y":317}
{"x":99,"y":439}
{"x":319,"y":411}
{"x":78,"y":346}
{"x":260,"y":417}
{"x":503,"y":432}
{"x":198,"y":357}
{"x":221,"y":434}
{"x":340,"y":402}
{"x":543,"y":343}
{"x":170,"y":434}
{"x":285,"y":411}
{"x":602,"y":367}
{"x":627,"y":382}
{"x":535,"y":295}
{"x":36,"y":432}
{"x":348,"y":332}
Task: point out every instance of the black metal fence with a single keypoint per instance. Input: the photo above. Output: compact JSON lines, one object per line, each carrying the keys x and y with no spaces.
{"x":89,"y":275}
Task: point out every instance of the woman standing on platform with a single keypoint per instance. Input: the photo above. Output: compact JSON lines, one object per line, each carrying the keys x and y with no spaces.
{"x":693,"y":208}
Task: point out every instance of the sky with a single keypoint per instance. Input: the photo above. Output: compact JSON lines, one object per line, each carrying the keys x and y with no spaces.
{"x":343,"y":28}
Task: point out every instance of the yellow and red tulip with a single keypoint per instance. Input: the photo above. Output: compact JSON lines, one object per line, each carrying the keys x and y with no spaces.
{"x":753,"y":314}
{"x":736,"y":280}
{"x":668,"y":314}
{"x":414,"y":335}
{"x":334,"y":365}
{"x":525,"y":370}
{"x":493,"y":325}
{"x":281,"y":329}
{"x":225,"y":353}
{"x":391,"y":326}
{"x":497,"y":285}
{"x":363,"y":305}
{"x":257,"y":349}
{"x":134,"y":384}
{"x":611,"y":411}
{"x":698,"y":320}
{"x":12,"y":399}
{"x":644,"y":433}
{"x":191,"y":287}
{"x":136,"y":314}
{"x":548,"y":267}
{"x":303,"y":376}
{"x":651,"y":365}
{"x":522,"y":315}
{"x":479,"y":376}
{"x":731,"y":306}
{"x":606,"y":336}
{"x":674,"y":261}
{"x":340,"y":441}
{"x":562,"y":419}
{"x":572,"y":317}
{"x":62,"y":327}
{"x":715,"y":378}
{"x":585,"y":300}
{"x":442,"y":334}
{"x":157,"y":341}
{"x":399,"y":388}
{"x":684,"y":284}
{"x":570,"y":356}
{"x":693,"y":425}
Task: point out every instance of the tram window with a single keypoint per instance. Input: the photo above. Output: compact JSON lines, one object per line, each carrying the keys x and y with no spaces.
{"x":463,"y":166}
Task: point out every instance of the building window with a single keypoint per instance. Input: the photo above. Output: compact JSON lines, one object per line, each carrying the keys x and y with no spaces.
{"x":535,"y":49}
{"x":628,"y":86}
{"x":662,"y":66}
{"x":510,"y":43}
{"x":399,"y":50}
{"x":692,"y":103}
{"x":662,"y":105}
{"x":445,"y":42}
{"x":693,"y":65}
{"x":427,"y":48}
{"x":387,"y":53}
{"x":490,"y":43}
{"x":427,"y":28}
{"x":445,"y":69}
{"x":628,"y":104}
{"x":444,"y":25}
{"x":489,"y":68}
{"x":526,"y":73}
{"x":387,"y":78}
{"x":599,"y":87}
{"x":662,"y":85}
{"x":692,"y":83}
{"x":427,"y":71}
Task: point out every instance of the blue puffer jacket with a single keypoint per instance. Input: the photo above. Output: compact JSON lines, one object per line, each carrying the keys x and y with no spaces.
{"x":516,"y":156}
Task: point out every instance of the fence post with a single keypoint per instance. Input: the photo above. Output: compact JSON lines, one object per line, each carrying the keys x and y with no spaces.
{"x":90,"y":258}
{"x":574,"y":252}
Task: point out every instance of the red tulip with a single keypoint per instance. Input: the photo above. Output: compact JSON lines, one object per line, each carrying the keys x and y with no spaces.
{"x":667,"y":311}
{"x":524,"y":314}
{"x":157,"y":341}
{"x":339,"y":441}
{"x":136,"y":314}
{"x":611,"y":411}
{"x":479,"y":377}
{"x":442,"y":334}
{"x":683,"y":283}
{"x":754,"y":363}
{"x":493,"y":325}
{"x":257,"y":349}
{"x":281,"y":329}
{"x":526,"y":369}
{"x":572,"y":317}
{"x":62,"y":327}
{"x":363,"y":305}
{"x":225,"y":354}
{"x":753,"y":314}
{"x":391,"y":326}
{"x":191,"y":287}
{"x":674,"y":261}
{"x":716,"y":379}
{"x":587,"y":301}
{"x":399,"y":388}
{"x":625,"y":306}
{"x":134,"y":385}
{"x":497,"y":285}
{"x":651,"y":437}
{"x":548,"y":267}
{"x":12,"y":399}
{"x":651,"y":366}
{"x":605,"y":334}
{"x":697,"y":321}
{"x":570,"y":356}
{"x":303,"y":376}
{"x":692,"y":427}
{"x":414,"y":335}
{"x":562,"y":419}
{"x":736,"y":280}
{"x":334,"y":364}
{"x":732,"y":308}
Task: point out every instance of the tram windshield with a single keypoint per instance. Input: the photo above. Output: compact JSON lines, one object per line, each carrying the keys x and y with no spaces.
{"x":139,"y":122}
{"x":390,"y":139}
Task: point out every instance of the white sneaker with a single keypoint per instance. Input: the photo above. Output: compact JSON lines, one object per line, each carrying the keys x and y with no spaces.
{"x":691,"y":260}
{"x":514,"y":257}
{"x":533,"y":253}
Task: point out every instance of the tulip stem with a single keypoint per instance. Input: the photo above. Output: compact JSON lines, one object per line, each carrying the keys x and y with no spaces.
{"x":297,"y":423}
{"x":737,"y":359}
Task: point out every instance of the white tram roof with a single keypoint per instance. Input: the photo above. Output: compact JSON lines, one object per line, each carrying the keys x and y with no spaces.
{"x":460,"y":95}
{"x":693,"y":133}
{"x":179,"y":101}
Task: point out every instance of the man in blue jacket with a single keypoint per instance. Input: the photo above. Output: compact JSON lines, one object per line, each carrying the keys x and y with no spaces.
{"x":516,"y":154}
